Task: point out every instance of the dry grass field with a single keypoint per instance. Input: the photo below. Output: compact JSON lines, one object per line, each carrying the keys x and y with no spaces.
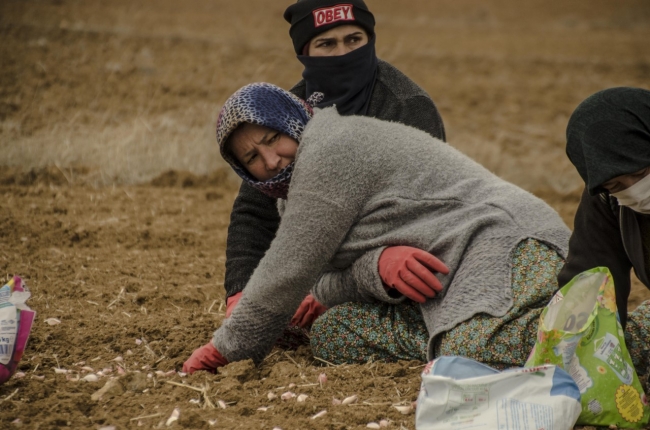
{"x":116,"y":203}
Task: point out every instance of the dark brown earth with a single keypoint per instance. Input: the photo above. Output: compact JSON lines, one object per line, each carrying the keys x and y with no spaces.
{"x":116,"y":205}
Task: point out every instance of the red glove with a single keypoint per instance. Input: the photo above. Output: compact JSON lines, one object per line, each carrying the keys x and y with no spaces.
{"x":307,"y":313}
{"x":411,"y":272}
{"x":205,"y":358}
{"x":231,"y":302}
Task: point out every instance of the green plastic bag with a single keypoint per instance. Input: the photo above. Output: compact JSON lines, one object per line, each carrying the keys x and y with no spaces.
{"x":580,"y":331}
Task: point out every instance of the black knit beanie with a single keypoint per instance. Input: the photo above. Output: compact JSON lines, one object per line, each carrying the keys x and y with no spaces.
{"x":608,"y":135}
{"x":309,"y":18}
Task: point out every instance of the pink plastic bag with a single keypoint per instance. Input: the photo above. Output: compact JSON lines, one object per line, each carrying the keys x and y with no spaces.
{"x":16,"y":320}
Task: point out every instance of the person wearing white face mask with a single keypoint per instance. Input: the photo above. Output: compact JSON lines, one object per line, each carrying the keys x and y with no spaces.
{"x":608,"y":141}
{"x":634,"y":190}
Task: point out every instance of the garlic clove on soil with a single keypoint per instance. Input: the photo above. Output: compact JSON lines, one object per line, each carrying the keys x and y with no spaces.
{"x":91,"y":377}
{"x":53,"y":321}
{"x":287,"y":395}
{"x":373,"y":425}
{"x":335,"y":401}
{"x":301,"y":398}
{"x":320,"y":414}
{"x":404,"y":409}
{"x":271,"y":396}
{"x":173,"y":417}
{"x":350,"y":400}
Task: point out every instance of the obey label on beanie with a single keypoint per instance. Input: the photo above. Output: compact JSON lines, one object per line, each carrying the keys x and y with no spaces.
{"x":330,"y":15}
{"x":309,"y":18}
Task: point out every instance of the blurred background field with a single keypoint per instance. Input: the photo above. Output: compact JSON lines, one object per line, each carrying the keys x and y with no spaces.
{"x":113,"y":187}
{"x":129,"y":89}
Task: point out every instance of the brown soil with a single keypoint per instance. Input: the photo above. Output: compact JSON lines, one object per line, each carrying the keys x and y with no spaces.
{"x":116,"y":206}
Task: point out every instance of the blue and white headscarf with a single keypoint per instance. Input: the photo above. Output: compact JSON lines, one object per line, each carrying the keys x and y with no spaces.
{"x":270,"y":106}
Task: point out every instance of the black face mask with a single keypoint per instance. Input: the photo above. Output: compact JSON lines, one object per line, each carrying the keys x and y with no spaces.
{"x":346,"y":80}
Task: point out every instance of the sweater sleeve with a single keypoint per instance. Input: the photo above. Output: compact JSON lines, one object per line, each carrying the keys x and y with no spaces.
{"x":596,"y":241}
{"x":253,"y":222}
{"x":284,"y":276}
{"x":358,"y":283}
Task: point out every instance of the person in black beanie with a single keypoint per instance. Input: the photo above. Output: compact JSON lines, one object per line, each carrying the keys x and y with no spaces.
{"x":608,"y":141}
{"x":335,"y":41}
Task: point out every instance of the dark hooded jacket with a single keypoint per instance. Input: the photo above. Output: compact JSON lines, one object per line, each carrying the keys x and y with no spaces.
{"x":608,"y":135}
{"x":255,"y":219}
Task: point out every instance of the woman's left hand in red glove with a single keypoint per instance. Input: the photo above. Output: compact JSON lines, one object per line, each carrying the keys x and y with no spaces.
{"x":205,"y":358}
{"x":231,"y":302}
{"x":307,"y":313}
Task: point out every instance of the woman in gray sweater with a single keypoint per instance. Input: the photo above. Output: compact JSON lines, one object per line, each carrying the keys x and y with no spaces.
{"x":350,"y":194}
{"x":335,"y":42}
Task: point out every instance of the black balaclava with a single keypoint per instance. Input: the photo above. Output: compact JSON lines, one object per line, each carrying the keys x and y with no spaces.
{"x":346,"y":81}
{"x":608,"y":135}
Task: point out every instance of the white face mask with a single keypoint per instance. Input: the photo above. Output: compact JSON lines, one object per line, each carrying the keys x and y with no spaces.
{"x":636,"y":197}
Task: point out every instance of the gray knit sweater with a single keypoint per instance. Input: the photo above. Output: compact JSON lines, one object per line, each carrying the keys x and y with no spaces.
{"x":254,"y":219}
{"x":355,"y":190}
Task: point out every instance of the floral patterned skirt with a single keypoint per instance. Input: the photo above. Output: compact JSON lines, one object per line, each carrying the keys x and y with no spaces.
{"x":360,"y":332}
{"x":637,"y":339}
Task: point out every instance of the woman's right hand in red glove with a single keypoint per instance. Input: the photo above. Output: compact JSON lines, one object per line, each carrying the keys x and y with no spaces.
{"x":411,"y":272}
{"x":205,"y":358}
{"x":309,"y":310}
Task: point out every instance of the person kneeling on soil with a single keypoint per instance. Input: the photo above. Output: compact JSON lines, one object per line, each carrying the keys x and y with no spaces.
{"x":335,"y":42}
{"x":608,"y":141}
{"x":362,"y":218}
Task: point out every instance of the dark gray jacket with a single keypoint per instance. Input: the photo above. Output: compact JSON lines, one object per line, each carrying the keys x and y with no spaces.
{"x":254,"y":219}
{"x":608,"y":235}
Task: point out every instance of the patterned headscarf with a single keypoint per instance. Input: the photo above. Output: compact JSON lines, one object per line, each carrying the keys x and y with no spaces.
{"x":270,"y":106}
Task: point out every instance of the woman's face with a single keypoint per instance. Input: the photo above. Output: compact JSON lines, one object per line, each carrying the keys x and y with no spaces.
{"x":337,"y":41}
{"x":264,"y":152}
{"x":624,"y":182}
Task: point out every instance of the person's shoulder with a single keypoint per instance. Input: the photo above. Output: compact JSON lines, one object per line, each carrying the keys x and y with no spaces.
{"x":392,"y":80}
{"x":299,"y":90}
{"x":329,"y":126}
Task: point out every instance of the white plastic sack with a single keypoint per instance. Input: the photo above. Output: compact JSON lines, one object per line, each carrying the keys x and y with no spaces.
{"x":459,"y":393}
